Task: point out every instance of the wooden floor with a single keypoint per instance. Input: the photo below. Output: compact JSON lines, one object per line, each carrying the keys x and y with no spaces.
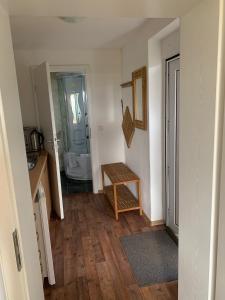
{"x":88,"y":259}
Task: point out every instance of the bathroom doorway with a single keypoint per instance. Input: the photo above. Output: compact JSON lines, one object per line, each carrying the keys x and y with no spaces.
{"x":70,"y":102}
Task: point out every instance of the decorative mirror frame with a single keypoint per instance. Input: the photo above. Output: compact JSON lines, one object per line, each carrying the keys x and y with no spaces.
{"x":137,"y":74}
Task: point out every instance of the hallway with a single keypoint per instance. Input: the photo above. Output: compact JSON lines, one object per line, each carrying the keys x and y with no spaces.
{"x":88,"y":259}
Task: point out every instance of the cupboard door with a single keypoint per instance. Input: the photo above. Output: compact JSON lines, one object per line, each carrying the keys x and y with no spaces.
{"x":40,"y":239}
{"x":46,"y":186}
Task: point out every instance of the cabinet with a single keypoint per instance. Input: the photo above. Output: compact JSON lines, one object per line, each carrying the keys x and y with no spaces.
{"x":46,"y":186}
{"x":43,"y":235}
{"x":41,"y":196}
{"x":40,"y":238}
{"x":40,"y":175}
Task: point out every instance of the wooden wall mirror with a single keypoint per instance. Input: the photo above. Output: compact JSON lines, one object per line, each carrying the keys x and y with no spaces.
{"x":139,"y":86}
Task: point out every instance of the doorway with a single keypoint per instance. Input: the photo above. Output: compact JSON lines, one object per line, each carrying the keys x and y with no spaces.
{"x":75,"y":101}
{"x":70,"y":103}
{"x":172,"y":143}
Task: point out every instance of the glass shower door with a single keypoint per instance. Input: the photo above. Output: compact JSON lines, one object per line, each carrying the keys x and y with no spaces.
{"x":78,"y":129}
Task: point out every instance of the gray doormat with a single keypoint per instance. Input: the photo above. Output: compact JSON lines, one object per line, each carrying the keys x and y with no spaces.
{"x":153,"y":257}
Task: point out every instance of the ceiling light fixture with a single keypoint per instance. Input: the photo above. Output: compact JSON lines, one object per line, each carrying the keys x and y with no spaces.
{"x":72,"y":19}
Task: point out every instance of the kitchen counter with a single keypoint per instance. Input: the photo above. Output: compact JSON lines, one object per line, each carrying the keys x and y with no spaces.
{"x":36,"y":173}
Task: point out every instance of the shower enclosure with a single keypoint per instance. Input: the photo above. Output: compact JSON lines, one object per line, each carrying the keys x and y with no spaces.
{"x":71,"y":116}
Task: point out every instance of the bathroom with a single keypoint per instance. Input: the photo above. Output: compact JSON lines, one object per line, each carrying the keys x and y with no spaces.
{"x":70,"y":102}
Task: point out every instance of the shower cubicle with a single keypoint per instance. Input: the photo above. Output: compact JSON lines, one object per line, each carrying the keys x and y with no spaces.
{"x":71,"y":117}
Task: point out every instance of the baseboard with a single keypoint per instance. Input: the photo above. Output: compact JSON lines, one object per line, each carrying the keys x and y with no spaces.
{"x":172,"y":235}
{"x":100,"y":191}
{"x":153,"y":223}
{"x":146,"y":218}
{"x":157,"y":223}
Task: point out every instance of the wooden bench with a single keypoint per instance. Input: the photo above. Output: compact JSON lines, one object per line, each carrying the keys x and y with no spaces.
{"x":118,"y":194}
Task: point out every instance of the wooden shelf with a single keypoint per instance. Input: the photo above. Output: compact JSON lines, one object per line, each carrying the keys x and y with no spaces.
{"x":119,"y":173}
{"x":127,"y":84}
{"x":118,"y":193}
{"x":125,"y":199}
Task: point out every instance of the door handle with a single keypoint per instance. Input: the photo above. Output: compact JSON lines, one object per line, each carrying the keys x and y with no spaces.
{"x":52,"y":142}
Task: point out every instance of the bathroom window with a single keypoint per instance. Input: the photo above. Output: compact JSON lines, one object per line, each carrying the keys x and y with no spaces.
{"x":74,"y":102}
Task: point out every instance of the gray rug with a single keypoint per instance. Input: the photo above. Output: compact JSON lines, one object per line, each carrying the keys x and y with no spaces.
{"x":153,"y":257}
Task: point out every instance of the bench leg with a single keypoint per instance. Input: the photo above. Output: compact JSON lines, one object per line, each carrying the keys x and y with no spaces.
{"x":115,"y":202}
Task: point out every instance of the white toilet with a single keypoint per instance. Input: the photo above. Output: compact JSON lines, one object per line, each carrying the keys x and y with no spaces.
{"x":77,"y":167}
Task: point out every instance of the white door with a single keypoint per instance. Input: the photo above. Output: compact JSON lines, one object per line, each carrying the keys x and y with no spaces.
{"x":12,"y":279}
{"x":172,"y":143}
{"x":42,"y":87}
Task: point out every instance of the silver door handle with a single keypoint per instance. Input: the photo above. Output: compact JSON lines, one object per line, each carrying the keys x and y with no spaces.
{"x":52,"y":142}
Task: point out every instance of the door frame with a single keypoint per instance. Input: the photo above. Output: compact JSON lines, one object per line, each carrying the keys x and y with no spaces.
{"x":167,"y":61}
{"x":85,"y":70}
{"x":2,"y":283}
{"x":22,"y":275}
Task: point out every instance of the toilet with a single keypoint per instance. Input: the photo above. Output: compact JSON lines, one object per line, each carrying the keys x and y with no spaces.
{"x":77,"y":167}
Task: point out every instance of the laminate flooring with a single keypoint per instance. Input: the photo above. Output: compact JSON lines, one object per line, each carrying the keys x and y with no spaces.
{"x":88,"y":259}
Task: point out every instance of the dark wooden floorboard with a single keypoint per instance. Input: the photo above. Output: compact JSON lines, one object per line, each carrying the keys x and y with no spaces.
{"x":88,"y":259}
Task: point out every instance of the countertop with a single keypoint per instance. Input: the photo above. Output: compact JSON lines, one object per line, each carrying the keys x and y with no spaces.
{"x":36,"y":173}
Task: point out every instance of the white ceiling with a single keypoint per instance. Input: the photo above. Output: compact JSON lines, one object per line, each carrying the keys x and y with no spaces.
{"x":86,"y":33}
{"x":35,"y":23}
{"x":102,"y":8}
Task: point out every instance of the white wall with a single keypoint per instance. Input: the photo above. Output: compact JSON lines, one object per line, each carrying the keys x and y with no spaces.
{"x":19,"y":171}
{"x":170,"y":45}
{"x":134,"y":56}
{"x":161,"y":46}
{"x":155,"y":128}
{"x":199,"y":47}
{"x":104,"y":78}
